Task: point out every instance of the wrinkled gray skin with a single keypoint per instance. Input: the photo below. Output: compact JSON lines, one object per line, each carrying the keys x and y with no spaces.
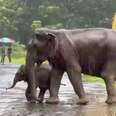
{"x":42,"y":77}
{"x":90,"y":51}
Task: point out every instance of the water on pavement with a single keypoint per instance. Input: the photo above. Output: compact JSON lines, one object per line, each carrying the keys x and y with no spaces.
{"x":13,"y":102}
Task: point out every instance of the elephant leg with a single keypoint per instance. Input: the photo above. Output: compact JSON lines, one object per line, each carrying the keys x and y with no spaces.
{"x":109,"y":74}
{"x":41,"y":95}
{"x":32,"y":88}
{"x":110,"y":87}
{"x":28,"y":95}
{"x":30,"y":70}
{"x":56,"y":76}
{"x":76,"y":81}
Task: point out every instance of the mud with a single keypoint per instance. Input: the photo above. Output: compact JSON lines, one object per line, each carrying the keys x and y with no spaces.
{"x":13,"y":102}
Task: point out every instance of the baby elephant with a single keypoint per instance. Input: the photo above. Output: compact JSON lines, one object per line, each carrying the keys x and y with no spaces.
{"x":42,"y":74}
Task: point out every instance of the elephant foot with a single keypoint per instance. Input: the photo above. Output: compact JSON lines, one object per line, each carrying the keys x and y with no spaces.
{"x":52,"y":100}
{"x":31,"y":99}
{"x":82,"y":101}
{"x":40,"y":100}
{"x":111,"y":100}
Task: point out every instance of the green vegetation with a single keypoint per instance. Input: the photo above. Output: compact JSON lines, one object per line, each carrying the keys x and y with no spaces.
{"x":19,"y":18}
{"x":20,"y":60}
{"x":18,"y":53}
{"x":93,"y":79}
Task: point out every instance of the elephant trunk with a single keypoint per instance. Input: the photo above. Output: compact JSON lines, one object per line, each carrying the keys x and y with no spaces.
{"x":14,"y":83}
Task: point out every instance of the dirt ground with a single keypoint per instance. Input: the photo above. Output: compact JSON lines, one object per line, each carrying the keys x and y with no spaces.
{"x":13,"y":102}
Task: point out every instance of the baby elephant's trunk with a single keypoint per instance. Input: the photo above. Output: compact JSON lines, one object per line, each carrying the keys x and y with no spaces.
{"x":14,"y":83}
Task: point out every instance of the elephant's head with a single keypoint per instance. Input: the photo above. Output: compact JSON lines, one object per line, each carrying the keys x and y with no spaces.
{"x":45,"y":44}
{"x":19,"y":76}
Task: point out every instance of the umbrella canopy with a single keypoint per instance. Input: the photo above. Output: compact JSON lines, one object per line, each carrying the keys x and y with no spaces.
{"x":6,"y":40}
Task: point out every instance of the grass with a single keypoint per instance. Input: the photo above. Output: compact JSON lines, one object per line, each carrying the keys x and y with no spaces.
{"x":15,"y":60}
{"x":20,"y":60}
{"x":18,"y":53}
{"x":93,"y":79}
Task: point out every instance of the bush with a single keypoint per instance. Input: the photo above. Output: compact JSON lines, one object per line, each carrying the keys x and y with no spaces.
{"x":18,"y":50}
{"x":18,"y":53}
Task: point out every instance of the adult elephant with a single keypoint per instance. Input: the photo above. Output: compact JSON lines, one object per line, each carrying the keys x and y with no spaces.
{"x":90,"y":51}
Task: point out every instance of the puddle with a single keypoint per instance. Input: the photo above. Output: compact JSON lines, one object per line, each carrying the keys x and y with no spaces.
{"x":13,"y":102}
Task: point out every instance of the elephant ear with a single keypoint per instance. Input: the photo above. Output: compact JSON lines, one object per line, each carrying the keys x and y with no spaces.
{"x":22,"y":73}
{"x":51,"y":39}
{"x":52,"y":44}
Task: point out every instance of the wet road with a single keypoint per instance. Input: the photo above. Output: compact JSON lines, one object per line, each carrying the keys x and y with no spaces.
{"x":13,"y":102}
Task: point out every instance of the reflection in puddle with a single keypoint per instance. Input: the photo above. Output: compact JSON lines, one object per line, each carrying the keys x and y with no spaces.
{"x":97,"y":110}
{"x":13,"y":102}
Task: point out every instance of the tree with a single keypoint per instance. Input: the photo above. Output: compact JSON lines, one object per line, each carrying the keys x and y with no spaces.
{"x":19,"y":18}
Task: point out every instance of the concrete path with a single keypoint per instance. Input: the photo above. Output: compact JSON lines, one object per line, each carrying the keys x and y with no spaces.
{"x":13,"y":102}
